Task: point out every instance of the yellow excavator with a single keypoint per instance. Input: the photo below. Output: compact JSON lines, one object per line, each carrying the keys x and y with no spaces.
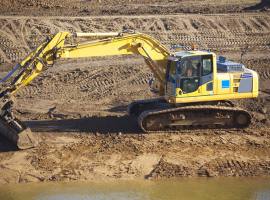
{"x":194,"y":86}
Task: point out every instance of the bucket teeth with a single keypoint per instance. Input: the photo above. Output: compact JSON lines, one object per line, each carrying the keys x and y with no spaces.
{"x":26,"y":139}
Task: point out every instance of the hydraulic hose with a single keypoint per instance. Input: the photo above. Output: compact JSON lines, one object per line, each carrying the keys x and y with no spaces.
{"x":10,"y":73}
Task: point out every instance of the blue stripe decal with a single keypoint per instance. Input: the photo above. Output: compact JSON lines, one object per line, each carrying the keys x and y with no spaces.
{"x":246,"y":75}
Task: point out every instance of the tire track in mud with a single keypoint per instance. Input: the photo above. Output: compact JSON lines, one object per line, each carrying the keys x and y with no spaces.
{"x":215,"y":167}
{"x":93,"y":84}
{"x":262,"y":66}
{"x":230,"y":32}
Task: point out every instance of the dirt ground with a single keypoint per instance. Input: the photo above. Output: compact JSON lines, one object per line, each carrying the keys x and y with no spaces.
{"x":127,"y":7}
{"x":78,"y":107}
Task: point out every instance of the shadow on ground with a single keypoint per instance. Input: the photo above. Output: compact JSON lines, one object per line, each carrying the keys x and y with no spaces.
{"x":6,"y":146}
{"x":103,"y":125}
{"x":264,"y":4}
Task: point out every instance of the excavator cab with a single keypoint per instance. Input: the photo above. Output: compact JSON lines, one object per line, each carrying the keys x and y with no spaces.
{"x":189,"y":75}
{"x":198,"y":76}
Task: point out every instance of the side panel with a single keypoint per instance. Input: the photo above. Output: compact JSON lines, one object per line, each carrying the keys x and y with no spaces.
{"x":228,"y":86}
{"x":245,"y":85}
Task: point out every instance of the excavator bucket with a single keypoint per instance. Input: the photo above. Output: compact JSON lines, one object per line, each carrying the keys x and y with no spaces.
{"x":16,"y":132}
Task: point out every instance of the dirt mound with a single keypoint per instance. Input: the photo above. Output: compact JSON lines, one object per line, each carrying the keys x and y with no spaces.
{"x":87,"y":156}
{"x":120,"y":7}
{"x":216,"y":167}
{"x":215,"y":32}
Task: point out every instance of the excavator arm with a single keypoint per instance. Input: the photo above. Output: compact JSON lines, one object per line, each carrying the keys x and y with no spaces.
{"x":60,"y":47}
{"x":154,"y":53}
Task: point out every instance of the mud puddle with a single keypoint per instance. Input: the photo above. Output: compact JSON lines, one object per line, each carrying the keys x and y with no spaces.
{"x":217,"y":188}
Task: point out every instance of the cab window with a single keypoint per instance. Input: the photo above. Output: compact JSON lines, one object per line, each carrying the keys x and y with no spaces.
{"x":173,"y":67}
{"x":190,"y":72}
{"x":190,"y":66}
{"x":207,"y":66}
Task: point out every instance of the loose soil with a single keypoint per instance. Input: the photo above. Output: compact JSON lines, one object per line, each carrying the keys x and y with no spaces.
{"x":78,"y":107}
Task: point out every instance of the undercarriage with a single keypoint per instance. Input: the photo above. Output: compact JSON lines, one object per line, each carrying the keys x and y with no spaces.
{"x":156,"y":115}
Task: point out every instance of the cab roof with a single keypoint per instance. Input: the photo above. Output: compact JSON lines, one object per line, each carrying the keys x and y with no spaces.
{"x":190,"y":53}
